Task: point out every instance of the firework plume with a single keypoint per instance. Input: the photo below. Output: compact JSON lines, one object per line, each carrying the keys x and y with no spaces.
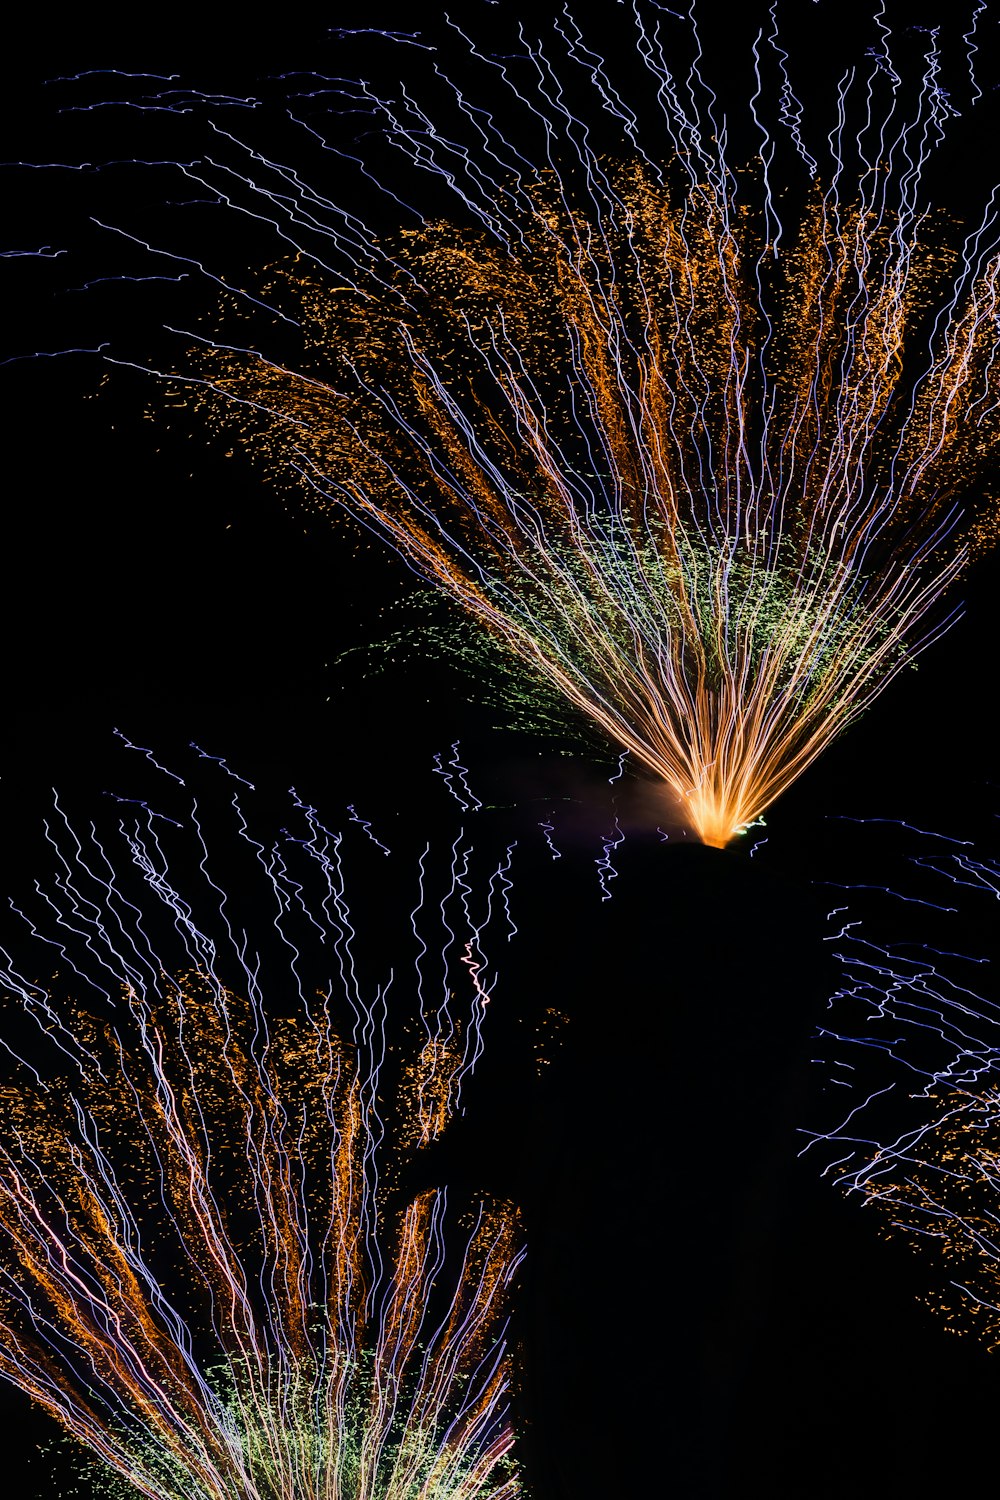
{"x":699,"y":470}
{"x":210,"y":1272}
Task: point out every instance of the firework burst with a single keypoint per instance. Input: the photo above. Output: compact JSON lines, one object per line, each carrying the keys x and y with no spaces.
{"x":700,"y":471}
{"x":211,"y":1275}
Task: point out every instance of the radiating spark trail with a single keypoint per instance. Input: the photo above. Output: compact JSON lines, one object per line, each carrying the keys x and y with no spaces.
{"x":606,"y":871}
{"x":547,"y":830}
{"x":366,"y":825}
{"x":149,"y":756}
{"x":44,"y":252}
{"x":917,"y":1033}
{"x":709,"y":492}
{"x":462,"y":777}
{"x":14,"y":359}
{"x":209,"y":1273}
{"x":454,"y":777}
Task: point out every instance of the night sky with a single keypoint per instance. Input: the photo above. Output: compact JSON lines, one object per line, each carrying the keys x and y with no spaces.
{"x":701,"y":1313}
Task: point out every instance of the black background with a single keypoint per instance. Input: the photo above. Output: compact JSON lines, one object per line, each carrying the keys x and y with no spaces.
{"x":700,"y":1312}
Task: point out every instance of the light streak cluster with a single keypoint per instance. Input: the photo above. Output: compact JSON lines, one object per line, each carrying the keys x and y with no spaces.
{"x":699,"y":468}
{"x":211,"y":1271}
{"x":912,"y":1044}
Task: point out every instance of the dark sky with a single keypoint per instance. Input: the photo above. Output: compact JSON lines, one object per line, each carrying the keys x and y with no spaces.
{"x":700,"y":1312}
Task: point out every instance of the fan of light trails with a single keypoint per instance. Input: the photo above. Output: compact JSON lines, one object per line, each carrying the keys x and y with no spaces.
{"x":913,"y":1047}
{"x":210,"y":1272}
{"x":697,"y":469}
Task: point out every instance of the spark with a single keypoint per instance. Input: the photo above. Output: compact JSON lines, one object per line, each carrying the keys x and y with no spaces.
{"x":14,"y":359}
{"x":220,"y":761}
{"x":606,"y":871}
{"x":973,"y":49}
{"x":86,"y":286}
{"x":44,"y":252}
{"x":455,"y":777}
{"x":462,"y":774}
{"x":547,"y":831}
{"x":900,"y":823}
{"x":149,"y":756}
{"x":366,"y":825}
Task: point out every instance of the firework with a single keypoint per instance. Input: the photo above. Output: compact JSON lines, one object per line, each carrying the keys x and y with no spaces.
{"x":699,"y":470}
{"x":211,"y":1274}
{"x":910,"y":1048}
